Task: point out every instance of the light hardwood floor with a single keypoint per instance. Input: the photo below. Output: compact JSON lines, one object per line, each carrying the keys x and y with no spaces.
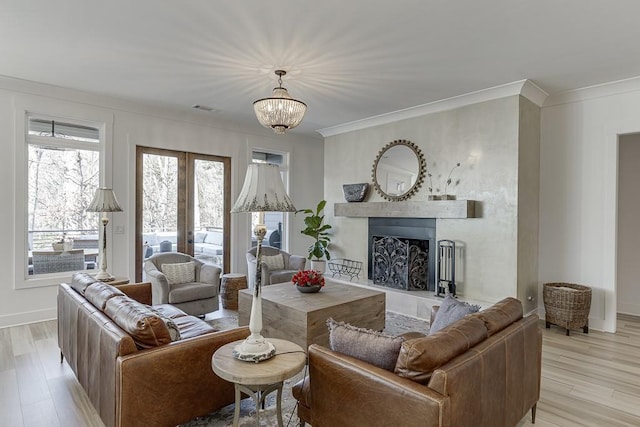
{"x":587,"y":380}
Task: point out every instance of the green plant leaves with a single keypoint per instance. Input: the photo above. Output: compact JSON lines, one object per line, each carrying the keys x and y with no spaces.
{"x":317,"y":230}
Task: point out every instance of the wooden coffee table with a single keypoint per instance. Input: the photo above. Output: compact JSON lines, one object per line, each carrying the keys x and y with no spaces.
{"x":301,"y":318}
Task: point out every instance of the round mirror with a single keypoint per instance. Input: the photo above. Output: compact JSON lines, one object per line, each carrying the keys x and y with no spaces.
{"x":398,"y":170}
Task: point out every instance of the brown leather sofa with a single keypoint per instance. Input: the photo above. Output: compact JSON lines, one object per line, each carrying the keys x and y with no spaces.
{"x":483,"y":370}
{"x":132,"y":370}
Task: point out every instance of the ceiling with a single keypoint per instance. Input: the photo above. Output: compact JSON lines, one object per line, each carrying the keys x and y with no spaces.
{"x":347,"y":59}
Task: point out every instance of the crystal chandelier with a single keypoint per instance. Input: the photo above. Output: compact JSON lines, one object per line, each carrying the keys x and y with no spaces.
{"x":280,"y":112}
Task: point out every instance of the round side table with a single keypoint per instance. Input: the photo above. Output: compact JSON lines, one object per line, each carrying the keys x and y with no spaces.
{"x":259,"y":379}
{"x":231,"y":284}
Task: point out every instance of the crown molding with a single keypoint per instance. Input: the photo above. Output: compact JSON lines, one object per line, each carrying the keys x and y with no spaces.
{"x":534,"y":93}
{"x":173,"y":113}
{"x":591,"y":92}
{"x":525,"y":88}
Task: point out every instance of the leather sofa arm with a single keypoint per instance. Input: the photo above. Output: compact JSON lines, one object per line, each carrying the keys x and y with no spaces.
{"x":140,"y":292}
{"x":338,"y":382}
{"x":171,"y":384}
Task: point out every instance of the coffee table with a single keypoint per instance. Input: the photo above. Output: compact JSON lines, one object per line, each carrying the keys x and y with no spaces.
{"x":259,"y":379}
{"x":301,"y":318}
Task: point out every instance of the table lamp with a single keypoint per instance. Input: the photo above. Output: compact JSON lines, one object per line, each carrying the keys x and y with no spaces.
{"x":263,"y":191}
{"x":104,"y":201}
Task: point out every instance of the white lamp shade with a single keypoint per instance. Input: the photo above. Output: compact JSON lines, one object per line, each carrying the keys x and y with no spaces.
{"x":104,"y":201}
{"x":263,"y":191}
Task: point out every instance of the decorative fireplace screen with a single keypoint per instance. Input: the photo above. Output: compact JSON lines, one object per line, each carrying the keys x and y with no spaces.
{"x":400,"y":263}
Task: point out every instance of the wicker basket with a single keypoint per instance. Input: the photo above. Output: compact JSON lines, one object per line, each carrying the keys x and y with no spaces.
{"x":567,"y":305}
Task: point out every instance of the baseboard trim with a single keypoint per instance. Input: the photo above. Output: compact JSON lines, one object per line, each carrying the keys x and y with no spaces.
{"x":27,"y":317}
{"x":630,"y":317}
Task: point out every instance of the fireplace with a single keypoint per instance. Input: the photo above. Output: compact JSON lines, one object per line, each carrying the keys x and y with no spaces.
{"x":402,"y":252}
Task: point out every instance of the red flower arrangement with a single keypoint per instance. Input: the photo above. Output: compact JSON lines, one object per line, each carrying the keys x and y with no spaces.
{"x":308,"y":278}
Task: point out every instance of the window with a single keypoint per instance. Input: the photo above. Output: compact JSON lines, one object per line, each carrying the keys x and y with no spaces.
{"x":63,"y":172}
{"x":274,"y":221}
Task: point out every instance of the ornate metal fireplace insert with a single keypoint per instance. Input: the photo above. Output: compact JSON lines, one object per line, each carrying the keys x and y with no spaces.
{"x":400,"y":263}
{"x":402,"y":253}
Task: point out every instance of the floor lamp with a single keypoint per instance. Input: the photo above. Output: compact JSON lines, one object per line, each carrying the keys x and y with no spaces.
{"x":104,"y":201}
{"x":263,"y":191}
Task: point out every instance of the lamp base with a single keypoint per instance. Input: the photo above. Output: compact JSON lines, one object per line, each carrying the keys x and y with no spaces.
{"x":103,"y":276}
{"x":254,"y":349}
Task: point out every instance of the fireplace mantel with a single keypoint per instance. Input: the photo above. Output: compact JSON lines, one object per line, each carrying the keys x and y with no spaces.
{"x":413,"y":209}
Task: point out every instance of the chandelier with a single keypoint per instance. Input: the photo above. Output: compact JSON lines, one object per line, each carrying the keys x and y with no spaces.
{"x":280,"y":112}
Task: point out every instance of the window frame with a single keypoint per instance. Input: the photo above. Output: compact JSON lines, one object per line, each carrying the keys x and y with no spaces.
{"x":26,"y":107}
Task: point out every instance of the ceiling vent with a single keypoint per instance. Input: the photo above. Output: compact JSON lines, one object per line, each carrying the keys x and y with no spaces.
{"x":205,"y":108}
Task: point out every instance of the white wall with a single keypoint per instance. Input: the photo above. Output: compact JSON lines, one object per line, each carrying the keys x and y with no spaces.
{"x":484,"y":137}
{"x":138,"y":124}
{"x":628,"y":225}
{"x":578,"y":189}
{"x":528,"y":203}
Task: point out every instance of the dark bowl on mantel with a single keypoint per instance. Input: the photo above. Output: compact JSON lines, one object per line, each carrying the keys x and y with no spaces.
{"x":355,"y":192}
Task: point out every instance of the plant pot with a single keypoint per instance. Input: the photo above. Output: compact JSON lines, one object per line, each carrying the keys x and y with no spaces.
{"x":319,"y":265}
{"x":309,"y":289}
{"x":62,"y":246}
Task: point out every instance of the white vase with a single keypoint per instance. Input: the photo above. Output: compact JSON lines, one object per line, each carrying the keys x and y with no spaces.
{"x":319,"y":265}
{"x":63,"y":246}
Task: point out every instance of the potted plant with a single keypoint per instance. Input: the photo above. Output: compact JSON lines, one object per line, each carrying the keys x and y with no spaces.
{"x":63,"y":244}
{"x":317,"y":231}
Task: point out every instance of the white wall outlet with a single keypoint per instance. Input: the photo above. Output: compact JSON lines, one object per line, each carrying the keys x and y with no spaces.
{"x":119,"y":229}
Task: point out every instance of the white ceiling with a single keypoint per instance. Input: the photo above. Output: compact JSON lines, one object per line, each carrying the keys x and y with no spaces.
{"x":347,"y":59}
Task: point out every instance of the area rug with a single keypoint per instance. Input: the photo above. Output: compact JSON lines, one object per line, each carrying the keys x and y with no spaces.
{"x":395,"y":324}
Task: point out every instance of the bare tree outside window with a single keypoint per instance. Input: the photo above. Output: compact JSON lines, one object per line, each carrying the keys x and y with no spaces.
{"x":209,"y":182}
{"x":160,"y":198}
{"x":63,"y":172}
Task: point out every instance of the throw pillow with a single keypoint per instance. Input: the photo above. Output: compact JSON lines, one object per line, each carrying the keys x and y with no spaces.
{"x":200,"y":236}
{"x":215,"y":238}
{"x":450,"y":311}
{"x":274,"y":262}
{"x":181,"y":272}
{"x":370,"y":346}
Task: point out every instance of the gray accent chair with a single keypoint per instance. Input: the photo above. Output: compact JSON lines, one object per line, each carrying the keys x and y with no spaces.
{"x":292,"y":264}
{"x":196,"y":298}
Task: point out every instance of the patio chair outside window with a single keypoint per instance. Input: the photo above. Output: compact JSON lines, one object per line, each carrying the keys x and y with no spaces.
{"x":56,"y":262}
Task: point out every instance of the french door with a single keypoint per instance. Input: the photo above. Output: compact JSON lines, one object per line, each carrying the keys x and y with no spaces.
{"x":182,"y":205}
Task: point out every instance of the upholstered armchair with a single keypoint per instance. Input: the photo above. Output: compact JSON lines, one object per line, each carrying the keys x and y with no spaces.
{"x":183,"y":281}
{"x":278,"y":266}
